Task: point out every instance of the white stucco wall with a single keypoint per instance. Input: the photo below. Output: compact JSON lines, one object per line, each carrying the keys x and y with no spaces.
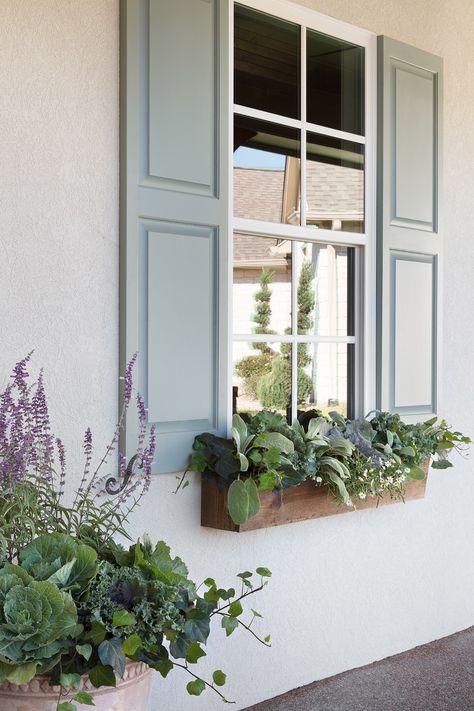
{"x":346,"y":590}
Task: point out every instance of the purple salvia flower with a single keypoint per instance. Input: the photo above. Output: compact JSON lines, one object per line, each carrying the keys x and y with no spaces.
{"x":62,"y":464}
{"x":128,"y":380}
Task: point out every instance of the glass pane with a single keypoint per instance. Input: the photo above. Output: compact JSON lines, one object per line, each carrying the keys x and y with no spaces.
{"x":262,"y":377}
{"x":262,"y":284}
{"x":335,"y":83}
{"x":325,"y":377}
{"x":334,"y":184}
{"x":266,"y":171}
{"x":325,"y":290}
{"x":266,"y":63}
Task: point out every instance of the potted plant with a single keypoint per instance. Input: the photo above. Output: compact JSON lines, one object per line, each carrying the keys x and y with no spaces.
{"x":83,"y":619}
{"x":271,"y":472}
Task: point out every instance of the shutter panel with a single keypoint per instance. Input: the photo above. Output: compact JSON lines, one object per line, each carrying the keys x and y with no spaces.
{"x":174,"y":216}
{"x":409,"y":243}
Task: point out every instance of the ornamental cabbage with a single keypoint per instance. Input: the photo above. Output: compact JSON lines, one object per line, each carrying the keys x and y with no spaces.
{"x":37,"y":624}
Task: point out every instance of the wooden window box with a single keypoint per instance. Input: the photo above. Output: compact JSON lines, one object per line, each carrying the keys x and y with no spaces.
{"x":298,"y":503}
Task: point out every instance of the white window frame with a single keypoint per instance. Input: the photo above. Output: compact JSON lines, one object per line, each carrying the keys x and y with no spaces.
{"x":365,"y":243}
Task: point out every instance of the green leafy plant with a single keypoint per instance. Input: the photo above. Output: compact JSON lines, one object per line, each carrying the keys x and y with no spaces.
{"x":355,"y":459}
{"x":72,"y":600}
{"x":38,"y":623}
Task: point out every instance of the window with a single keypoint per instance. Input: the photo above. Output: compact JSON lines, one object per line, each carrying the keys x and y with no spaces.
{"x":302,"y":223}
{"x":300,"y":215}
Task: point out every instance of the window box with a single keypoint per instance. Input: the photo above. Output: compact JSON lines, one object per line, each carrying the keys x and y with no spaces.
{"x":297,"y":503}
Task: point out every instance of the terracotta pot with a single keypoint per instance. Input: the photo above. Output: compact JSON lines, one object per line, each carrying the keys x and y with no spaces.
{"x":131,"y":693}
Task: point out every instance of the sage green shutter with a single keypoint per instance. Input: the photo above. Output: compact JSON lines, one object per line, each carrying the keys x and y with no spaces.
{"x":174,"y":216}
{"x":409,"y":240}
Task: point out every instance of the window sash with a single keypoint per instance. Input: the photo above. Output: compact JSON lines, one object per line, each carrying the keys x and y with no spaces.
{"x":364,"y":340}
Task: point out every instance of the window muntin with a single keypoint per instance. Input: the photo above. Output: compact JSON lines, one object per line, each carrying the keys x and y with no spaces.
{"x":333,"y":155}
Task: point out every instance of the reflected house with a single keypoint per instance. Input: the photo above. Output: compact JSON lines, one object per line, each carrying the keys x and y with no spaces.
{"x":334,"y":201}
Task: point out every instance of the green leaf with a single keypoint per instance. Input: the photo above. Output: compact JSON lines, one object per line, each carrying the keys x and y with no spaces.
{"x":238,"y":502}
{"x":416,"y":473}
{"x":219,"y":677}
{"x":235,"y":609}
{"x":102,"y":676}
{"x":196,"y":627}
{"x":195,"y":688}
{"x":131,"y":645}
{"x":123,"y":619}
{"x":164,"y":666}
{"x":82,"y":697}
{"x":229,"y":624}
{"x":239,"y":431}
{"x":254,"y":500}
{"x":61,"y":576}
{"x":20,"y":674}
{"x":70,"y":681}
{"x":66,"y":706}
{"x":340,"y":485}
{"x":275,"y":439}
{"x":85,"y":650}
{"x":407,"y":452}
{"x":245,"y":574}
{"x":111,"y":654}
{"x":97,"y":633}
{"x":441,"y":464}
{"x":264,"y":572}
{"x":338,"y":419}
{"x":267,"y":639}
{"x":256,"y":614}
{"x":444,"y":445}
{"x":244,"y":462}
{"x":194,"y":653}
{"x":389,"y":438}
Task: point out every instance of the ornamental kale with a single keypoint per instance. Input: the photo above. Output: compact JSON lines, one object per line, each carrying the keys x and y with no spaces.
{"x":38,"y":622}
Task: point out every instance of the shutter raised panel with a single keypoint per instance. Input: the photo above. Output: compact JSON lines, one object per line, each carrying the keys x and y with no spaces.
{"x":409,"y":241}
{"x":174,"y":217}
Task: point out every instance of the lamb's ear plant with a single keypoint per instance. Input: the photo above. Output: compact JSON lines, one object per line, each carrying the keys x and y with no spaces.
{"x":355,"y":459}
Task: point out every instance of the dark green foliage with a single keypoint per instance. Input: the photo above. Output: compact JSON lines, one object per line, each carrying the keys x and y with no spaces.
{"x":252,"y":368}
{"x":353,"y":458}
{"x":263,"y":310}
{"x":274,"y":388}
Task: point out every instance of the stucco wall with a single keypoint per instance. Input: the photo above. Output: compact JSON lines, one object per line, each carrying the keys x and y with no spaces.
{"x":346,"y":590}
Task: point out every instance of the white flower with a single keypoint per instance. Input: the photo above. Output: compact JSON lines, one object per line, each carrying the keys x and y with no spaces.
{"x":362,"y":495}
{"x":349,"y":502}
{"x":318,"y":479}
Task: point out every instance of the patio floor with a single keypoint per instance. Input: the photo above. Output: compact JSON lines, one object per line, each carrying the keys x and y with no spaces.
{"x":434,"y":677}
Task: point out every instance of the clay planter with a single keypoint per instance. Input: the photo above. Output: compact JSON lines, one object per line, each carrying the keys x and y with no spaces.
{"x":298,"y":503}
{"x":131,"y":693}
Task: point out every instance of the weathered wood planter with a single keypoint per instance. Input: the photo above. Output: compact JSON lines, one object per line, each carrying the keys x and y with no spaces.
{"x":298,"y":503}
{"x":130,"y":693}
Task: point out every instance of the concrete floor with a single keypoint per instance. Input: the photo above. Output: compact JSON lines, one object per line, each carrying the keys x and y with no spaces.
{"x":435,"y":677}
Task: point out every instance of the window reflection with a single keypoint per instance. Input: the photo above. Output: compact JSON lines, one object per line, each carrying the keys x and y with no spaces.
{"x":334,"y":184}
{"x":262,"y":377}
{"x":262,"y":284}
{"x":325,"y":289}
{"x":266,"y":62}
{"x":266,"y":171}
{"x":335,"y":83}
{"x":328,"y":369}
